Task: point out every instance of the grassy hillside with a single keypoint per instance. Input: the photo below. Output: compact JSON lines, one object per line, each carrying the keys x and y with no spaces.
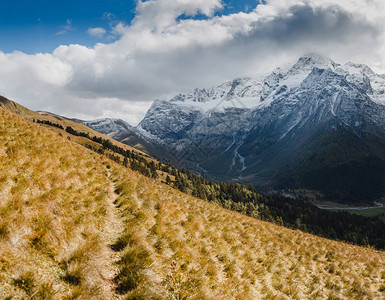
{"x":56,"y":119}
{"x":56,"y":215}
{"x":76,"y":225}
{"x":295,"y":214}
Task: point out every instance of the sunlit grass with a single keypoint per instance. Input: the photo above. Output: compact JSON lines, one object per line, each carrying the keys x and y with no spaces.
{"x":201,"y":251}
{"x":74,"y":224}
{"x":53,"y":210}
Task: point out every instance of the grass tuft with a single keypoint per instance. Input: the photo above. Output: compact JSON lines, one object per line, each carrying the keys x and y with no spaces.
{"x":26,"y":282}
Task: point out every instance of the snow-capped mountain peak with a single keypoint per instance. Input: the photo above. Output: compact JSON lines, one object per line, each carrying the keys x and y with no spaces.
{"x":313,"y":84}
{"x":284,"y":79}
{"x":315,"y":124}
{"x":311,"y":60}
{"x":250,"y":93}
{"x":240,"y":93}
{"x":251,"y":129}
{"x":246,"y":95}
{"x":109,"y":126}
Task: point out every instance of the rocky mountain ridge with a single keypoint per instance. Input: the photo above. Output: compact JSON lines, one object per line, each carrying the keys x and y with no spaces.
{"x":280,"y":130}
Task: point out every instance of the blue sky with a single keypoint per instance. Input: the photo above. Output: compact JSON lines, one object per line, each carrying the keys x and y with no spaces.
{"x":33,"y":26}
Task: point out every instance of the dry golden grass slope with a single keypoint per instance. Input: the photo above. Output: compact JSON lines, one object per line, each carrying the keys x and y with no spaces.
{"x":75,"y":225}
{"x":56,"y":119}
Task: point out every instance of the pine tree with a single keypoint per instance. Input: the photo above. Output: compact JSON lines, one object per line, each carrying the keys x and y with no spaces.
{"x":125,"y":161}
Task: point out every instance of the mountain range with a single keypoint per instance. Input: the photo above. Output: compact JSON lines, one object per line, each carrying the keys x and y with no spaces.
{"x":316,"y":125}
{"x":83,"y":216}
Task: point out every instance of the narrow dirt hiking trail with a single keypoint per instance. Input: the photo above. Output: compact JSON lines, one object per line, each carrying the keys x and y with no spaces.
{"x":113,"y":229}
